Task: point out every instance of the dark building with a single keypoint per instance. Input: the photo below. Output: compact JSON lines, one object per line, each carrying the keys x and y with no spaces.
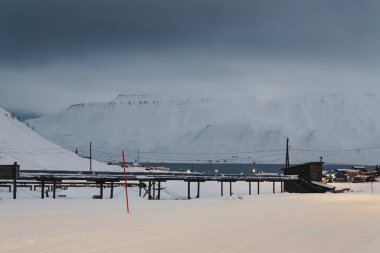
{"x":309,"y":171}
{"x":9,"y":171}
{"x":310,"y":177}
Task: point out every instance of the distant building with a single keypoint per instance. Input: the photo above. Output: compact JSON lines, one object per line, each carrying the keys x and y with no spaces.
{"x":341,"y":176}
{"x":361,"y":168}
{"x":329,"y":176}
{"x":355,"y":171}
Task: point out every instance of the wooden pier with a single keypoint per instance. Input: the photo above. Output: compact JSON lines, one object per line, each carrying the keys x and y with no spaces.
{"x":150,"y":184}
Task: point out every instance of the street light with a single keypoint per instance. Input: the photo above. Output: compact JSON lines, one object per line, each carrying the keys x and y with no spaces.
{"x":216,"y":172}
{"x":253,"y":171}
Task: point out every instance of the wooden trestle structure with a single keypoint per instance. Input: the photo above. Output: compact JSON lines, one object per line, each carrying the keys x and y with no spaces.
{"x":150,"y":183}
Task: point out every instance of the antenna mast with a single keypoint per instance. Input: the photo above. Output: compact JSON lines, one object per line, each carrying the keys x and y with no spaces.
{"x":287,"y":154}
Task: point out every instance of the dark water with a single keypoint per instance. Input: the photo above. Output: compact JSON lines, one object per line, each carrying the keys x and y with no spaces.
{"x":228,"y":168}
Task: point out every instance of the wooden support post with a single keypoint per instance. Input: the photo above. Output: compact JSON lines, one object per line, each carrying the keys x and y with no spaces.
{"x":15,"y":180}
{"x":139,"y":188}
{"x":258,"y":187}
{"x":198,"y":189}
{"x":188,"y":190}
{"x":282,"y":186}
{"x":287,"y":163}
{"x":221,"y":188}
{"x":42,"y":189}
{"x":101,"y":190}
{"x":54,"y":187}
{"x":149,"y":190}
{"x":274,"y":187}
{"x":154,"y":190}
{"x":230,"y":188}
{"x":90,"y":157}
{"x":111,"y":195}
{"x":250,"y":187}
{"x":159,"y":190}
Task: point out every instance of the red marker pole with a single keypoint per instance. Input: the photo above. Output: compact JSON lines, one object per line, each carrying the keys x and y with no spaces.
{"x":125,"y":182}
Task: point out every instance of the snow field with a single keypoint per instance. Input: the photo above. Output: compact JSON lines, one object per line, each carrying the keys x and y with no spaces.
{"x":258,"y":223}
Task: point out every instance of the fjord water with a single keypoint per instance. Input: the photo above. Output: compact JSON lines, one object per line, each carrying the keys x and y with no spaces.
{"x":235,"y":168}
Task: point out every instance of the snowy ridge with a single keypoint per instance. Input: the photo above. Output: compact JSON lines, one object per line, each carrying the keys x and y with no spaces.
{"x":342,"y":128}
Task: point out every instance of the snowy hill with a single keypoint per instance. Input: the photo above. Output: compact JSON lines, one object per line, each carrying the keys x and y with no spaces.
{"x":20,"y":144}
{"x":341,"y":128}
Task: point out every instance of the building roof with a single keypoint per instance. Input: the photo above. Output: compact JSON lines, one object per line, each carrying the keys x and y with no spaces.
{"x":303,"y":164}
{"x":323,"y":185}
{"x":353,"y":171}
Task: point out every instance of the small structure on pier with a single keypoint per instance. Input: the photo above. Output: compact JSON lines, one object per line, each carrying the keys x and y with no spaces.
{"x":10,"y":172}
{"x":310,"y":175}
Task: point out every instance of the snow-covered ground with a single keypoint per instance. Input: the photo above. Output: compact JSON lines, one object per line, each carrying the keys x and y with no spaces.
{"x":259,"y":223}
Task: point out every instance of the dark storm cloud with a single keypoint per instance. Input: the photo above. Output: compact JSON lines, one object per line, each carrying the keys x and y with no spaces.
{"x":36,"y":31}
{"x":61,"y":48}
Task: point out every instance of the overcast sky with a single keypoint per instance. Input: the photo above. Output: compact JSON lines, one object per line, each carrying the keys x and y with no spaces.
{"x":54,"y":53}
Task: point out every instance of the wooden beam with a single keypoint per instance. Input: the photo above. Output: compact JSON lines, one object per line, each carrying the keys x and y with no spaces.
{"x":258,"y":187}
{"x":198,"y":189}
{"x":188,"y":190}
{"x":15,"y":180}
{"x":154,"y":190}
{"x":42,"y":189}
{"x":54,"y":187}
{"x":159,"y":190}
{"x":111,"y":194}
{"x":149,"y":190}
{"x":101,"y":190}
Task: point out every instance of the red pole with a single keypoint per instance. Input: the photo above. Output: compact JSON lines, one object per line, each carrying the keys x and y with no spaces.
{"x":125,"y":183}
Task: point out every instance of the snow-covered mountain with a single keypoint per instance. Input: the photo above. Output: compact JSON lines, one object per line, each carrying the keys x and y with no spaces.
{"x":341,"y":128}
{"x":19,"y":143}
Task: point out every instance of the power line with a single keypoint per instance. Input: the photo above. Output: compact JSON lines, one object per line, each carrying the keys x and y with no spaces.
{"x":214,"y":153}
{"x":194,"y":153}
{"x":337,"y":150}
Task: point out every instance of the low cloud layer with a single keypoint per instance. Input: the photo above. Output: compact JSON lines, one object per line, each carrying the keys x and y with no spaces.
{"x":55,"y":53}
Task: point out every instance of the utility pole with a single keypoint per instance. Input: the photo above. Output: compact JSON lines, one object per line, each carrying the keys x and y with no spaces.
{"x":287,"y":154}
{"x":90,"y":156}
